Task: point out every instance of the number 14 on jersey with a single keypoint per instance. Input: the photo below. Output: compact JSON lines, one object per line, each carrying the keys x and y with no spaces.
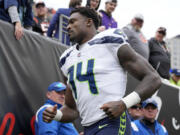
{"x":88,"y":77}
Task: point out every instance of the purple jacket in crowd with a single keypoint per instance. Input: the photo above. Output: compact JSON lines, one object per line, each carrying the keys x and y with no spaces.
{"x":107,"y":21}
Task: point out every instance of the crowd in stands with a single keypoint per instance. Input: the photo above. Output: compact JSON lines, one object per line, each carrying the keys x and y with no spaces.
{"x":46,"y":21}
{"x":53,"y":30}
{"x":41,"y":20}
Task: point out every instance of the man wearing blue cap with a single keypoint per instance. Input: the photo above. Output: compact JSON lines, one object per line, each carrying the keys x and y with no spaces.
{"x":175,"y":77}
{"x":55,"y":96}
{"x":148,"y":125}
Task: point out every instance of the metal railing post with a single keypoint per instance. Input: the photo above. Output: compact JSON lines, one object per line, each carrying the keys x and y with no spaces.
{"x":63,"y":28}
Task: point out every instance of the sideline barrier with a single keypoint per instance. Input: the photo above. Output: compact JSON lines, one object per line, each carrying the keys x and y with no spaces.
{"x":28,"y":66}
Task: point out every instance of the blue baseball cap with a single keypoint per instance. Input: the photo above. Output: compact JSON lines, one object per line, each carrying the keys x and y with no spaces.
{"x":175,"y":71}
{"x":149,"y":101}
{"x":57,"y":86}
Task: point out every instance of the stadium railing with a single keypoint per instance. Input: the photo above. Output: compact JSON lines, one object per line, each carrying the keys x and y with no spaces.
{"x":63,"y":34}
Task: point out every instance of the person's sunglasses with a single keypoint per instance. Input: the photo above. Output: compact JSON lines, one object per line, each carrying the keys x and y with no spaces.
{"x":152,"y":107}
{"x":161,"y":32}
{"x":139,"y":20}
{"x":136,"y":107}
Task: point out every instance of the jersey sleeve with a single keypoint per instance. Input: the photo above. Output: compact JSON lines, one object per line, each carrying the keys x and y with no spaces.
{"x":117,"y":39}
{"x":112,"y":38}
{"x":61,"y":66}
{"x":63,"y":60}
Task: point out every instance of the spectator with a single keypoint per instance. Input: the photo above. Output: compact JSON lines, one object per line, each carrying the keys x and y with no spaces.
{"x":159,"y":55}
{"x":54,"y":24}
{"x":56,"y":96}
{"x":135,"y":37}
{"x":148,"y":125}
{"x":175,"y":77}
{"x":94,"y":4}
{"x":50,"y":13}
{"x":107,"y":21}
{"x":18,"y":13}
{"x":135,"y":112}
{"x":41,"y":23}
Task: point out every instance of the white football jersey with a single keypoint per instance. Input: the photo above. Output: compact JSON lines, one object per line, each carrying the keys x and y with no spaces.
{"x":95,"y":74}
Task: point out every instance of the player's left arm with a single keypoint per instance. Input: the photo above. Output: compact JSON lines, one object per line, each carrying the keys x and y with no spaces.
{"x":68,"y":113}
{"x":138,"y":67}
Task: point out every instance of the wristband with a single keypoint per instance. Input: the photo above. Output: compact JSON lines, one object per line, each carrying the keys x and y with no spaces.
{"x":58,"y":115}
{"x":131,"y":99}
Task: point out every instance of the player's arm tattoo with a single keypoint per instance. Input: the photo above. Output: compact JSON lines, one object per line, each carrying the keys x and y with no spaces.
{"x":138,"y":67}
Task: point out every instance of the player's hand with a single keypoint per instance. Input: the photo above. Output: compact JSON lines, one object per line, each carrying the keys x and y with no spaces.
{"x":114,"y":109}
{"x":49,"y":113}
{"x":18,"y":30}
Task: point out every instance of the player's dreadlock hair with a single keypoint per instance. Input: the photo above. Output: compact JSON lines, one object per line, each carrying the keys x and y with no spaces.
{"x":89,"y":13}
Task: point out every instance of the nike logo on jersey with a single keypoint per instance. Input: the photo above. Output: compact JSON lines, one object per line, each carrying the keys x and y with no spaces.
{"x":102,"y":126}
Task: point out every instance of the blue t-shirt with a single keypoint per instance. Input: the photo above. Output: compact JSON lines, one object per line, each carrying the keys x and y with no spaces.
{"x":53,"y":128}
{"x":139,"y":128}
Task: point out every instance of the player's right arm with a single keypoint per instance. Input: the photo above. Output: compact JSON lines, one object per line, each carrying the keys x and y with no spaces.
{"x":69,"y":110}
{"x":67,"y":113}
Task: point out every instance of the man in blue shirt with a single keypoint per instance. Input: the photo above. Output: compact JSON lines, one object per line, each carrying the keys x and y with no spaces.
{"x":148,"y":125}
{"x":56,"y":96}
{"x":53,"y":30}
